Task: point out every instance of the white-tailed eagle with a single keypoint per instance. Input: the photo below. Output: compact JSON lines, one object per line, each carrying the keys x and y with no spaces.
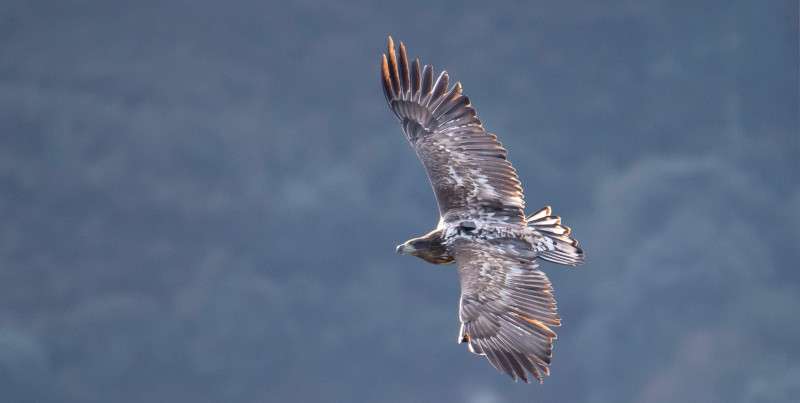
{"x":506,"y":307}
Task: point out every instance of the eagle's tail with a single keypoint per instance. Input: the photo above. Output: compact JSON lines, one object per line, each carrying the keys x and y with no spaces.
{"x":564,"y":249}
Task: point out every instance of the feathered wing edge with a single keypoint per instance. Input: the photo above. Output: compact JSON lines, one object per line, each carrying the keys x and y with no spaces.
{"x":466,"y":165}
{"x":431,"y":105}
{"x":505,"y":309}
{"x":563,"y":249}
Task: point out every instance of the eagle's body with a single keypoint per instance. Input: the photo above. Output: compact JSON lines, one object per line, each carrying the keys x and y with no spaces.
{"x":437,"y":246}
{"x":506,"y":304}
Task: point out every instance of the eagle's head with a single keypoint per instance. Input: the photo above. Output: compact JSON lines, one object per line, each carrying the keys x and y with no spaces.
{"x":429,"y":248}
{"x":415,"y":247}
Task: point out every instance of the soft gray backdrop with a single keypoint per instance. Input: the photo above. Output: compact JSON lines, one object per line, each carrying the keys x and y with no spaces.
{"x":201,"y":200}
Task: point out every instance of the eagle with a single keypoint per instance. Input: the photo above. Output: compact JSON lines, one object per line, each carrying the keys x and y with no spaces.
{"x":507,"y":307}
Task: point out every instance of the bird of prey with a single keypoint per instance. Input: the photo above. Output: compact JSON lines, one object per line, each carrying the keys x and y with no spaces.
{"x":506,"y":308}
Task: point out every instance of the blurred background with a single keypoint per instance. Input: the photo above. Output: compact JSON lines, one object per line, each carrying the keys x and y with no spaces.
{"x":201,"y":200}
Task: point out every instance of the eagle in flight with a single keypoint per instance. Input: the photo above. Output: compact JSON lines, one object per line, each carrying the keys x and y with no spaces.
{"x":506,"y":308}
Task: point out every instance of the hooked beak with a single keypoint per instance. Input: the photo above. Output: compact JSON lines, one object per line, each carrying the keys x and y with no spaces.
{"x":404,"y":249}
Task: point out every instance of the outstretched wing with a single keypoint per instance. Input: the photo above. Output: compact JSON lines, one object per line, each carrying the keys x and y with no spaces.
{"x":506,"y":307}
{"x":467,"y":167}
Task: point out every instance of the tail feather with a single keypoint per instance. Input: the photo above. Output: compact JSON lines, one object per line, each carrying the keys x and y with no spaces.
{"x":563,"y":249}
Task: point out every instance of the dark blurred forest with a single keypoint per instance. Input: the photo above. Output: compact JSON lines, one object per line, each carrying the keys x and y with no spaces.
{"x":200,"y":201}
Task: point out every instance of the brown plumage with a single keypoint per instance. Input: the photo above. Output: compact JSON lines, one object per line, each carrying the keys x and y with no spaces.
{"x":506,"y":302}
